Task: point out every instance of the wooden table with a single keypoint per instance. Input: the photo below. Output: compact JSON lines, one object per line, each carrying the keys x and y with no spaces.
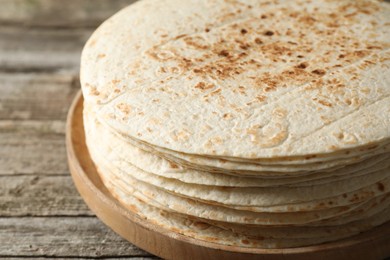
{"x":41,"y":213}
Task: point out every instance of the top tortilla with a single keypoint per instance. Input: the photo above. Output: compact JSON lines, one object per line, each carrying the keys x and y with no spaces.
{"x":246,"y":79}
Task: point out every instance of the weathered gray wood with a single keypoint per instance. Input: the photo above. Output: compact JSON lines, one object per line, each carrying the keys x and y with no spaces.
{"x":41,"y":213}
{"x":71,"y":13}
{"x":40,"y":196}
{"x":61,"y":237}
{"x":32,"y":147}
{"x":46,"y":35}
{"x":28,"y":50}
{"x":37,"y":95}
{"x":37,"y":127}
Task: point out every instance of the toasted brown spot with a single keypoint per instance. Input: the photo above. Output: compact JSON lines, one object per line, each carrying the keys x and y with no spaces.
{"x":163,"y":70}
{"x":302,"y":65}
{"x":268,"y":33}
{"x":361,"y":53}
{"x":200,"y":85}
{"x":173,"y":165}
{"x":227,"y":116}
{"x":261,"y":98}
{"x":374,"y":47}
{"x":93,"y":90}
{"x":307,"y":19}
{"x":196,"y":42}
{"x":207,"y":30}
{"x":244,"y":31}
{"x":215,"y":91}
{"x":124,"y":108}
{"x":224,"y":53}
{"x":319,"y":72}
{"x":244,"y":46}
{"x":323,"y":102}
{"x":258,"y":41}
{"x":203,"y":86}
{"x":115,"y":81}
{"x":263,"y":16}
{"x":180,"y":36}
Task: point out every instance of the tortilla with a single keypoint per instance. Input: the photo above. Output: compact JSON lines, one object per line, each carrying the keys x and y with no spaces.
{"x":250,"y":123}
{"x":154,"y":164}
{"x":239,"y":89}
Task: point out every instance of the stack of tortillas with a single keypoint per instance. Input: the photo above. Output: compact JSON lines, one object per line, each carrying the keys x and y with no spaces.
{"x":252,"y":123}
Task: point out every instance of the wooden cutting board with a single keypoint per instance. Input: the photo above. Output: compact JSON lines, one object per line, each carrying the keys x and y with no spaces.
{"x":374,"y":244}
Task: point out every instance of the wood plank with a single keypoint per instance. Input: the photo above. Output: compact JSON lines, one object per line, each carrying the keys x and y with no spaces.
{"x":27,"y":46}
{"x":37,"y":95}
{"x":35,"y":127}
{"x":75,"y":13}
{"x":62,"y":237}
{"x":53,"y":49}
{"x":82,"y":258}
{"x":32,"y":147}
{"x":40,"y":196}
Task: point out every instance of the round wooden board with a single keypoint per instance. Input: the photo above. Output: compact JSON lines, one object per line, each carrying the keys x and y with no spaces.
{"x":374,"y":244}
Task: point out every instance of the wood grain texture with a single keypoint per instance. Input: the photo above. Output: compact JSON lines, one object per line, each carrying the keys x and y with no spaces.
{"x":41,"y":50}
{"x":32,"y":108}
{"x":61,"y":237}
{"x":49,"y":13}
{"x":32,"y":147}
{"x":47,"y":35}
{"x":38,"y":96}
{"x":40,"y":196}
